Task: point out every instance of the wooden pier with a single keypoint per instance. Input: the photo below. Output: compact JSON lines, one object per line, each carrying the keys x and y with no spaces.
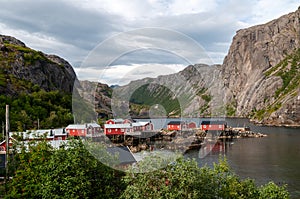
{"x":175,"y":140}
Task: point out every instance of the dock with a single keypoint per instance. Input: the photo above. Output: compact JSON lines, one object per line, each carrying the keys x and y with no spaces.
{"x":175,"y":140}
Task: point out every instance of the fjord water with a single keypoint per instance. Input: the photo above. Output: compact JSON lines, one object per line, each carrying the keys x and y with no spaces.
{"x":273,"y":158}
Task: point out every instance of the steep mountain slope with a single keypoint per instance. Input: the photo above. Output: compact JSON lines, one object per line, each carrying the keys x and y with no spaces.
{"x":98,"y":96}
{"x":25,"y":70}
{"x":187,"y":93}
{"x":258,"y":79}
{"x":38,"y":87}
{"x":261,"y":71}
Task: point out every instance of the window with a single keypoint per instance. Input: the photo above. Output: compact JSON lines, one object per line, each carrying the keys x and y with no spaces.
{"x":109,"y":130}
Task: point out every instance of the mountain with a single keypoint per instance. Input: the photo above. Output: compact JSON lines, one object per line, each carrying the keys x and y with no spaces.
{"x":23,"y":69}
{"x":38,"y":87}
{"x":98,"y":96}
{"x":261,"y":72}
{"x":259,"y":79}
{"x":185,"y":93}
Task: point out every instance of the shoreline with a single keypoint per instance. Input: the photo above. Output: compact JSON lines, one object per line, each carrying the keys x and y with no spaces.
{"x":253,"y":121}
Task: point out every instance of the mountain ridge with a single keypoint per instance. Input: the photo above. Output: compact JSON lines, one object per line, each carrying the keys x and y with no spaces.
{"x":243,"y":80}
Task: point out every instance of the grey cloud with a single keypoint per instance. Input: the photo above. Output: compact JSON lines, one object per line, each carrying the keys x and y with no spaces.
{"x":62,"y":21}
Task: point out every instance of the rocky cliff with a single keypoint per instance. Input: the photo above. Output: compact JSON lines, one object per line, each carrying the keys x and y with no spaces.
{"x":23,"y":69}
{"x":261,"y":71}
{"x":97,"y":95}
{"x":259,"y":79}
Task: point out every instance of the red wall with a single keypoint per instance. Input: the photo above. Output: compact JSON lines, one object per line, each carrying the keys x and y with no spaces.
{"x":175,"y":127}
{"x":77,"y":132}
{"x":213,"y":127}
{"x":114,"y":131}
{"x":110,"y":122}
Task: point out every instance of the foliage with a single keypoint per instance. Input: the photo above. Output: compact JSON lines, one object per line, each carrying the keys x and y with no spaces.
{"x":206,"y":98}
{"x":30,"y":56}
{"x":52,"y":109}
{"x":230,"y":110}
{"x":184,"y":179}
{"x":289,"y":71}
{"x":68,"y":172}
{"x":161,"y":95}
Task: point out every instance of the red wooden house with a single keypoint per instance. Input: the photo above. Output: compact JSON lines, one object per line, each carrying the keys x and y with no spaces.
{"x":213,"y":125}
{"x":88,"y":129}
{"x":117,"y":129}
{"x":120,"y":126}
{"x":142,"y":126}
{"x":117,"y":121}
{"x":176,"y":126}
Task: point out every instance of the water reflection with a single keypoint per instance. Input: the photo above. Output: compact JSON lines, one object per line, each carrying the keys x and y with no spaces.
{"x":273,"y":158}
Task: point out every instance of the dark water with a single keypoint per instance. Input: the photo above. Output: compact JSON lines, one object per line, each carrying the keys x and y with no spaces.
{"x":273,"y":158}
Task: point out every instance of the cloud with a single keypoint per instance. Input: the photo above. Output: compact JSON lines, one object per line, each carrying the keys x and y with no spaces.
{"x":74,"y":29}
{"x":123,"y":74}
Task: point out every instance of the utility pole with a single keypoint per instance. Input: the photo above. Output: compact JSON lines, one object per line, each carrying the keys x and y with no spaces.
{"x":38,"y":123}
{"x":7,"y":142}
{"x":3,"y":132}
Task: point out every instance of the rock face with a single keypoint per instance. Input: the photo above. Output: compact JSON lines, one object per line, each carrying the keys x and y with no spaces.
{"x":25,"y":70}
{"x":260,"y":78}
{"x":98,"y":95}
{"x":248,"y":84}
{"x":187,"y":93}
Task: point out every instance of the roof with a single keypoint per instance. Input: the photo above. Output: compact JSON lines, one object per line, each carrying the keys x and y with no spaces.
{"x":76,"y":126}
{"x":94,"y":125}
{"x":117,"y":126}
{"x":119,"y":120}
{"x":175,"y":122}
{"x":214,"y":122}
{"x":33,"y":134}
{"x":140,"y":123}
{"x":124,"y":154}
{"x":82,"y":126}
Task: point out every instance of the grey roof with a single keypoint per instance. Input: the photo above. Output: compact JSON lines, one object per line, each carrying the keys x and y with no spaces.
{"x":117,"y":126}
{"x":34,"y":134}
{"x":124,"y":154}
{"x":82,"y":126}
{"x":140,"y":124}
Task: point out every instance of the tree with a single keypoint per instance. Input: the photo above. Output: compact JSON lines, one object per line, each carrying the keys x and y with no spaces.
{"x":68,"y":172}
{"x":184,"y":179}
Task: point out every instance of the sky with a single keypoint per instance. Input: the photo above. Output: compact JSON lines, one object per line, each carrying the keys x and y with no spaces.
{"x":117,"y":41}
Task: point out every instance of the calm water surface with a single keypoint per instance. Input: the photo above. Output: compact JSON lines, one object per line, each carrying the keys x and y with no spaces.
{"x":273,"y":158}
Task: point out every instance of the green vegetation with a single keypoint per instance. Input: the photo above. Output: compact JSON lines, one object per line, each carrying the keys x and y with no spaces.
{"x":206,"y":98}
{"x":30,"y":56}
{"x":289,"y":71}
{"x":161,"y":95}
{"x":230,"y":110}
{"x":52,"y":109}
{"x":201,"y":91}
{"x":72,"y":172}
{"x":68,"y":172}
{"x":184,"y":179}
